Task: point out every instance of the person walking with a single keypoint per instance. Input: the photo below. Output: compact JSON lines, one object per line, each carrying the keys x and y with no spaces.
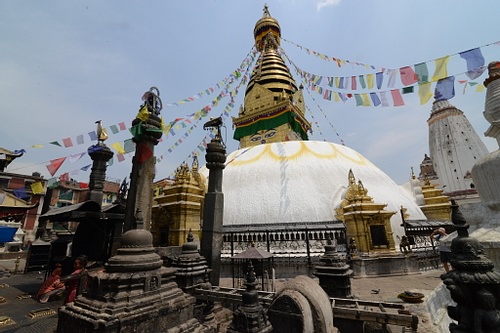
{"x":444,"y":251}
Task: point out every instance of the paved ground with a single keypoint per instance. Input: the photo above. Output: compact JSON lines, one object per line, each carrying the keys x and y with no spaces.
{"x":363,"y":288}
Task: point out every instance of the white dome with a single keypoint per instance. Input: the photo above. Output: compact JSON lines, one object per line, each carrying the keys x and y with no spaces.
{"x":303,"y":181}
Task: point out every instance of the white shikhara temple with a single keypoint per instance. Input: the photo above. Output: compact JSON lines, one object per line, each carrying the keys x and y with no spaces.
{"x":454,"y":147}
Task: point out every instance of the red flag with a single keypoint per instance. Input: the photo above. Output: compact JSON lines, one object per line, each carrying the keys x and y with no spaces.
{"x":397,"y":98}
{"x":64,"y":177}
{"x":120,"y":157}
{"x":408,"y":75}
{"x":122,"y":126}
{"x":67,"y":142}
{"x":55,"y":165}
{"x":143,"y":152}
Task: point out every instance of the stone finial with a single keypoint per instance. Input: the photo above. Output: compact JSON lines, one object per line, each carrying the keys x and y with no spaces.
{"x":493,"y":72}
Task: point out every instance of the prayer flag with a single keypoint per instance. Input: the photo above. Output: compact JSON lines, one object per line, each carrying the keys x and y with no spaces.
{"x":37,"y":146}
{"x":143,"y":152}
{"x":379,"y":79}
{"x":362,"y":81}
{"x":120,"y":157}
{"x":85,"y":168}
{"x":75,"y":157}
{"x":118,"y":147}
{"x":110,"y":162}
{"x":480,"y":87}
{"x":20,"y":193}
{"x":122,"y":126}
{"x":397,"y":98}
{"x":475,"y":63}
{"x":55,"y":165}
{"x":383,"y":97}
{"x":408,"y":90}
{"x":55,"y":143}
{"x":375,"y":99}
{"x":79,"y":139}
{"x":93,"y":136}
{"x":370,"y":79}
{"x":64,"y":177}
{"x":359,"y":100}
{"x":143,"y":113}
{"x":392,"y":77}
{"x":408,"y":76}
{"x":128,"y":145}
{"x":366,"y":99}
{"x":422,"y":72}
{"x":424,"y":92}
{"x":445,"y":89}
{"x":36,"y":188}
{"x":441,"y":70}
{"x":353,"y":83}
{"x":114,"y":129}
{"x":67,"y":142}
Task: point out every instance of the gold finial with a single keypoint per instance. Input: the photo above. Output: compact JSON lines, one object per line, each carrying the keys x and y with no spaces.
{"x":412,"y":174}
{"x":101,"y":132}
{"x":351,"y":178}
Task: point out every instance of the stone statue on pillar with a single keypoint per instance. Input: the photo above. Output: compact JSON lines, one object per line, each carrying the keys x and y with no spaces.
{"x":147,"y":131}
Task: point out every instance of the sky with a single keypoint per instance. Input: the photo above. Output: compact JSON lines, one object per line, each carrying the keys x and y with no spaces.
{"x":66,"y":64}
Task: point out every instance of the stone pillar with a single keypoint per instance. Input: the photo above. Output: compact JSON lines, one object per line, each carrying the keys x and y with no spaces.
{"x":146,"y":130}
{"x":334,"y":273}
{"x":472,"y":283}
{"x":250,"y":316}
{"x":100,"y":155}
{"x":211,"y":241}
{"x":486,"y":172}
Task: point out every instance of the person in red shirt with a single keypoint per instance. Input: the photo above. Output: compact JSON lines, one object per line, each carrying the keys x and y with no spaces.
{"x":74,"y":280}
{"x":52,"y":287}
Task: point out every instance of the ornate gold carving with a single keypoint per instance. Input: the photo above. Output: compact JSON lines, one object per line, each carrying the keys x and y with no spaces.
{"x":45,"y":312}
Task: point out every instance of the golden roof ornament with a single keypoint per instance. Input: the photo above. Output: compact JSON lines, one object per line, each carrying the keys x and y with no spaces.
{"x":101,"y":133}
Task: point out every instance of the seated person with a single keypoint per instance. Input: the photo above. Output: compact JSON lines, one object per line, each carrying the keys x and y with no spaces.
{"x":74,"y":280}
{"x":52,"y":287}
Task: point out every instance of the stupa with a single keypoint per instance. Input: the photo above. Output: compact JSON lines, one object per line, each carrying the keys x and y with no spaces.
{"x":278,"y":179}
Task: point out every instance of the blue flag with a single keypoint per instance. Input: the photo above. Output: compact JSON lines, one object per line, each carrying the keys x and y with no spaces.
{"x":475,"y":63}
{"x":445,"y":89}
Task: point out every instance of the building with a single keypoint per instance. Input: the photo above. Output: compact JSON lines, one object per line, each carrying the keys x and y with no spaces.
{"x":454,"y":148}
{"x":21,"y":198}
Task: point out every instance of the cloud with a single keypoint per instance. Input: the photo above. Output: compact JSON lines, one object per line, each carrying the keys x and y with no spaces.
{"x":326,"y":3}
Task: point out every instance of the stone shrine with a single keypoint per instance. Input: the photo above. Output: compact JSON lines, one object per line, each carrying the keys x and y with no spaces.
{"x":133,"y":293}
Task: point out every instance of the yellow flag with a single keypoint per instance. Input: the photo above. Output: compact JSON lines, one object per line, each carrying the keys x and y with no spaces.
{"x":143,"y":113}
{"x":370,"y":80}
{"x":424,"y":92}
{"x":118,"y":147}
{"x":365,"y":99}
{"x":441,"y":70}
{"x":480,"y":87}
{"x":37,"y":188}
{"x":37,"y":146}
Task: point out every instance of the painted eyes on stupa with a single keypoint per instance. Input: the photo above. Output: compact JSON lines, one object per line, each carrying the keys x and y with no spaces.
{"x":263,"y":136}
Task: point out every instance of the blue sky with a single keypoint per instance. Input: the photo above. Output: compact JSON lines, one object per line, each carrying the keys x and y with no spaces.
{"x":66,"y":64}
